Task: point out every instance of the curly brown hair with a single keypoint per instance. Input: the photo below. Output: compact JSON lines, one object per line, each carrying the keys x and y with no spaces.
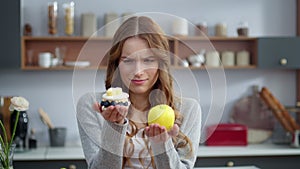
{"x":148,"y":30}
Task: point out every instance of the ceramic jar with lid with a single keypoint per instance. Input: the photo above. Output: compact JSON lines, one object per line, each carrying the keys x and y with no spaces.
{"x":221,"y":29}
{"x":112,"y":23}
{"x":243,"y":29}
{"x":243,"y":58}
{"x":180,"y":27}
{"x":201,"y":29}
{"x":212,"y":58}
{"x":227,"y":58}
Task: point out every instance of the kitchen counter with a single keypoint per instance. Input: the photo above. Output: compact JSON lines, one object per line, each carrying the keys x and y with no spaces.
{"x":76,"y":153}
{"x":250,"y":150}
{"x":50,"y":158}
{"x":260,"y":155}
{"x":50,"y":153}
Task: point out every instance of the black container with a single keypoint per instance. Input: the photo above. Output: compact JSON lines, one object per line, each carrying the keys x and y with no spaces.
{"x":57,"y":136}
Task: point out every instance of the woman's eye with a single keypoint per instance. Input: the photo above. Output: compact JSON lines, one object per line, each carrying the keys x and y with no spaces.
{"x":128,"y":60}
{"x":149,"y":60}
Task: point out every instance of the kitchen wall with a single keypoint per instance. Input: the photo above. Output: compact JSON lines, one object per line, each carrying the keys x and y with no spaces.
{"x":53,"y":90}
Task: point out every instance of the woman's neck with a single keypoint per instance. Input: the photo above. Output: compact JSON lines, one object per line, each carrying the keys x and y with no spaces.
{"x":140,"y":102}
{"x":138,"y":109}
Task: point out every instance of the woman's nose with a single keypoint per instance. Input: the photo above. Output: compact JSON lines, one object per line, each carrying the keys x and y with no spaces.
{"x":139,"y":68}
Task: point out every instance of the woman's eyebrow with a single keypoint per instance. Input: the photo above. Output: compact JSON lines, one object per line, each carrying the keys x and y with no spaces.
{"x":123,"y":57}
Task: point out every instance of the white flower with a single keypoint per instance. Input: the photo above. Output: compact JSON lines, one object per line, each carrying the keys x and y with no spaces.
{"x":18,"y":104}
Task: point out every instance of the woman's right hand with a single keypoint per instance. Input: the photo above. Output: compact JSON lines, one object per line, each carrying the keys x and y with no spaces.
{"x":115,"y":114}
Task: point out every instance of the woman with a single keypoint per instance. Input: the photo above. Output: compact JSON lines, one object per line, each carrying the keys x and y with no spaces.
{"x":119,"y":137}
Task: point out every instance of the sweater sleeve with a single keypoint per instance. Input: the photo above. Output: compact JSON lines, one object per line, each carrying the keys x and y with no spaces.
{"x":99,"y":152}
{"x":166,"y":156}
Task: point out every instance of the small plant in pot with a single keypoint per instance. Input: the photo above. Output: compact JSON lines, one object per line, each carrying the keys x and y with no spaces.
{"x":7,"y":146}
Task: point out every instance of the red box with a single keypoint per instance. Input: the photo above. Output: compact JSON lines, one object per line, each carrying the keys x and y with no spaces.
{"x":226,"y":135}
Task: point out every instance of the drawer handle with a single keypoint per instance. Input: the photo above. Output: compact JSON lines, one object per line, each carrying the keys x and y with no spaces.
{"x":230,"y":164}
{"x":283,"y":61}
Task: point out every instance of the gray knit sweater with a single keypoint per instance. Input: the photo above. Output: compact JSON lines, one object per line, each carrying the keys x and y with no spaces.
{"x":103,"y":141}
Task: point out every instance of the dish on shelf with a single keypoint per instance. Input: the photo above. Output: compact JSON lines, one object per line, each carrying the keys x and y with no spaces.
{"x":78,"y":63}
{"x":258,"y":135}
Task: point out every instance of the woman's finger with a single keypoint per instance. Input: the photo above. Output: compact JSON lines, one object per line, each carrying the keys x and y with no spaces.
{"x":96,"y":107}
{"x":174,"y":131}
{"x":123,"y":110}
{"x":107,"y":112}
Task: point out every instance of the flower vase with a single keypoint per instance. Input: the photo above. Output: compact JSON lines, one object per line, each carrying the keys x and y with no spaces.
{"x":7,"y":163}
{"x":21,"y":130}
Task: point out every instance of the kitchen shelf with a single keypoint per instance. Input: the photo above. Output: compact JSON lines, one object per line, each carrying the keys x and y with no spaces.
{"x":94,"y":49}
{"x":187,"y":46}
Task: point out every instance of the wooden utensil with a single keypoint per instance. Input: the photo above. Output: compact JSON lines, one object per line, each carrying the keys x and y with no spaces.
{"x":286,"y":120}
{"x":45,"y":118}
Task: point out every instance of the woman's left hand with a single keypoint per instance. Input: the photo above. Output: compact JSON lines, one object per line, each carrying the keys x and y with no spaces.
{"x":157,"y":133}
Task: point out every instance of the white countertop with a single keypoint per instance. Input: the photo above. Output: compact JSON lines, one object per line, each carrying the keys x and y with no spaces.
{"x":34,"y":154}
{"x":51,"y":153}
{"x":76,"y":153}
{"x":250,"y":150}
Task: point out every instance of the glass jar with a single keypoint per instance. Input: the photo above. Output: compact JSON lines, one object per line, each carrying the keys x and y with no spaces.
{"x":52,"y":18}
{"x":69,"y":17}
{"x":7,"y":162}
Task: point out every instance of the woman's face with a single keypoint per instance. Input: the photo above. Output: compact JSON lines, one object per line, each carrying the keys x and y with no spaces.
{"x":138,"y":66}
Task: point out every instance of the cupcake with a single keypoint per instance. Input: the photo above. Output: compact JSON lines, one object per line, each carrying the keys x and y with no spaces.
{"x":114,"y":96}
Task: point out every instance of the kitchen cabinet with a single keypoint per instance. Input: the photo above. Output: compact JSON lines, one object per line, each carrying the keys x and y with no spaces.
{"x":94,"y":49}
{"x":263,"y":156}
{"x":279,"y":52}
{"x":49,"y":164}
{"x":262,"y":162}
{"x":50,"y":158}
{"x":10,"y":35}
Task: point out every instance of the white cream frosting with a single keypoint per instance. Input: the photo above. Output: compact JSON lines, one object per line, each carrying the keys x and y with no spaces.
{"x":116,"y":95}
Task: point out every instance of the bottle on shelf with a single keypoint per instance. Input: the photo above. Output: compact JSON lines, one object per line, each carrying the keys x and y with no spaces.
{"x":32,"y":140}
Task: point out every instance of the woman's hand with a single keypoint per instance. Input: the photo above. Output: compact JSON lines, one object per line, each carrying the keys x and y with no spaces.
{"x":157,"y":133}
{"x":116,"y":114}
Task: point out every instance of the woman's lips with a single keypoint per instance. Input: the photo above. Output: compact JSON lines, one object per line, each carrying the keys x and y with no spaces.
{"x":138,"y":82}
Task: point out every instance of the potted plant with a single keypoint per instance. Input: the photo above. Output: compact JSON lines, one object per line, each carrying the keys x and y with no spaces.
{"x":7,"y":147}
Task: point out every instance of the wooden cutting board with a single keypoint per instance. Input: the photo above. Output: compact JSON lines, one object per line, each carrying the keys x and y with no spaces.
{"x":4,"y":110}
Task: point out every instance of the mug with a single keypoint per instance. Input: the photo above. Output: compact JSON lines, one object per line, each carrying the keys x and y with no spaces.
{"x":45,"y":59}
{"x":296,"y":139}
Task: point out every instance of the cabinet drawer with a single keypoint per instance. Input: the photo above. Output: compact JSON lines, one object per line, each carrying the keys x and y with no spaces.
{"x":262,"y":162}
{"x":279,"y":52}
